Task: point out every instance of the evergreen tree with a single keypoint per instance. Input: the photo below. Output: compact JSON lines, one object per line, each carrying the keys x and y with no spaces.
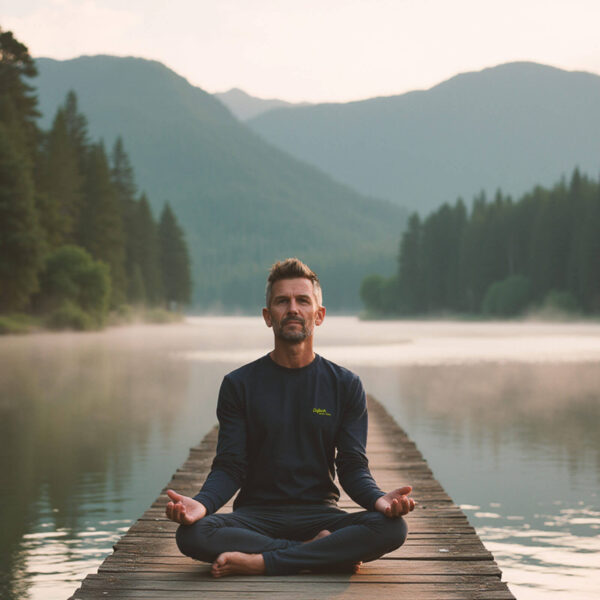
{"x":148,"y":258}
{"x":410,"y":272}
{"x":77,"y":130}
{"x":101,"y":221}
{"x":550,"y":243}
{"x":174,"y":258}
{"x":121,"y":176}
{"x":59,"y":184}
{"x":21,"y":245}
{"x":18,"y":104}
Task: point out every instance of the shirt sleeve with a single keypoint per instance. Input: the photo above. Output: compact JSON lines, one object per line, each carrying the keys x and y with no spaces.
{"x":351,"y":459}
{"x":229,"y":465}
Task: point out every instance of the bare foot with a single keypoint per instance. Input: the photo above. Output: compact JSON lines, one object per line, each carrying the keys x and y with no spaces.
{"x":238,"y":563}
{"x":319,"y":535}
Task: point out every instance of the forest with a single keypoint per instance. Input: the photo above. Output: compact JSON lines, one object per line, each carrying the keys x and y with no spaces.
{"x":503,"y":258}
{"x":78,"y":241}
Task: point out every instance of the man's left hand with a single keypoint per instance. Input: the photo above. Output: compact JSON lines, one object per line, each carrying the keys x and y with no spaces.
{"x":396,"y":503}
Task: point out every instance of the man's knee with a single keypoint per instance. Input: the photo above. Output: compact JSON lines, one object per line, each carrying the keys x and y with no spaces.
{"x":192,"y":540}
{"x":391,"y":533}
{"x":395,"y":532}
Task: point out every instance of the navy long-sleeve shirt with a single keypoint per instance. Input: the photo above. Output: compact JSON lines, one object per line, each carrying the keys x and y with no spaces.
{"x":279,"y":429}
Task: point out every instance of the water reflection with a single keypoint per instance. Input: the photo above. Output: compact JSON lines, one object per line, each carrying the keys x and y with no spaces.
{"x":518,"y":446}
{"x":91,"y":427}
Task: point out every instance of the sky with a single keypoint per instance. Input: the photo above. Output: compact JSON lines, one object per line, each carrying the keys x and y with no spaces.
{"x":314,"y":50}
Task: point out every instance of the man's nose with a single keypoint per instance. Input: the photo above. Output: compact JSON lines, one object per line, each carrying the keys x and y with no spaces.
{"x":293,"y":306}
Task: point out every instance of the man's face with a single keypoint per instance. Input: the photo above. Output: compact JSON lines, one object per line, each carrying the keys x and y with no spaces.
{"x":294,"y":310}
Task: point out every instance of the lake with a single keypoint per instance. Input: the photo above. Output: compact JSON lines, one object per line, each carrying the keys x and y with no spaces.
{"x":507,"y":414}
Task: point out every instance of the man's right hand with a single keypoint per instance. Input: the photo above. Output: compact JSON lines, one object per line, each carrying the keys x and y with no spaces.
{"x":183,"y":509}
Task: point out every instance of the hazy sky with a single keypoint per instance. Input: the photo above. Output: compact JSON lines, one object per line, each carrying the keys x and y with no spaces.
{"x":314,"y":50}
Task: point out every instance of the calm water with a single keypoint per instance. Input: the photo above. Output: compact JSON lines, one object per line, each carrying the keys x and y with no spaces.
{"x":93,"y":425}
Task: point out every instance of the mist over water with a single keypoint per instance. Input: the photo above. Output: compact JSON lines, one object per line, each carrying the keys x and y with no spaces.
{"x":93,"y":425}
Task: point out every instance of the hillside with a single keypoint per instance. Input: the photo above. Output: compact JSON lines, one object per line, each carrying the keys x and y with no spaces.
{"x":242,"y":203}
{"x":244,"y":106}
{"x":512,"y":126}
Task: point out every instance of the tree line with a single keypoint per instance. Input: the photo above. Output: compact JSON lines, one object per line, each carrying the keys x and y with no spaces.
{"x":76,"y":237}
{"x":501,"y":258}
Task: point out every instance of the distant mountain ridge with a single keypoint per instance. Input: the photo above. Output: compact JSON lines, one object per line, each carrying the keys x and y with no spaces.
{"x":244,"y":106}
{"x":242,"y":203}
{"x":511,"y":126}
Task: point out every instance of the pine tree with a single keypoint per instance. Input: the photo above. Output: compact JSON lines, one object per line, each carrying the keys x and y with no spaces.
{"x":59,"y":184}
{"x":121,"y":176}
{"x":410,"y":273}
{"x":174,"y":258}
{"x":101,"y":221}
{"x":77,"y":129}
{"x":18,"y":104}
{"x":149,"y":253}
{"x":21,"y":245}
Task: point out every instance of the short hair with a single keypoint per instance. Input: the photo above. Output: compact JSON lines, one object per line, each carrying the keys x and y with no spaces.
{"x":292,"y":268}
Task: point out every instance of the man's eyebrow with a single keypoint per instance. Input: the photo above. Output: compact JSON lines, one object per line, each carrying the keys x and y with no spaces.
{"x":303,"y":296}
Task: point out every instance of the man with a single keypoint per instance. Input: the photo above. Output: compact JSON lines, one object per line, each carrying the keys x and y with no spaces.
{"x":282,"y":418}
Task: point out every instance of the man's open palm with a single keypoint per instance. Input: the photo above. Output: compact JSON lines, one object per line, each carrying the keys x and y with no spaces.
{"x":183,"y":509}
{"x":396,"y":503}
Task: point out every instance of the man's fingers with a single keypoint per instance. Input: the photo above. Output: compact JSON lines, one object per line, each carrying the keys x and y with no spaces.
{"x":404,"y":491}
{"x":176,"y":512}
{"x":405,"y":505}
{"x":175,"y":496}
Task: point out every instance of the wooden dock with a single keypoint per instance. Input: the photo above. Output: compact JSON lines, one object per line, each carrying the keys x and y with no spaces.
{"x":443,"y":558}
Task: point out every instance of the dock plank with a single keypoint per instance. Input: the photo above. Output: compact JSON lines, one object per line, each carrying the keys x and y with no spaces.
{"x":442,"y":559}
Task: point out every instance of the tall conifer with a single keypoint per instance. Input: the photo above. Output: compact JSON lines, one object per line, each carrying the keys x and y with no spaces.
{"x":18,"y":103}
{"x":121,"y":176}
{"x":101,"y":221}
{"x":21,"y":245}
{"x":175,"y":262}
{"x":59,"y":184}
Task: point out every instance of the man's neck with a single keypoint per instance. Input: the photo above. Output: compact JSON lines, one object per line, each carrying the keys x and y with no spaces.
{"x":293,"y":356}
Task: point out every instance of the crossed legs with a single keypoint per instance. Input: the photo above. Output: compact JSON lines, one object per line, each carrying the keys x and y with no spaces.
{"x":286,"y":540}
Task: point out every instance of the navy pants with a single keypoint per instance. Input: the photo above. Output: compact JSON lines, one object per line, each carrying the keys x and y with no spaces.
{"x":278,"y":532}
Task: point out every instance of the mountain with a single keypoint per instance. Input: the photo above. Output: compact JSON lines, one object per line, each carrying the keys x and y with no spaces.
{"x":242,"y":203}
{"x":512,"y":126}
{"x":244,"y":106}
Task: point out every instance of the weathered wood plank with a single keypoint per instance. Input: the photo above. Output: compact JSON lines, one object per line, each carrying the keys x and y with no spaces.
{"x":442,"y":559}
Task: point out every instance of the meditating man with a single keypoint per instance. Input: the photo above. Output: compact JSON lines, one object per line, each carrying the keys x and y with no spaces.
{"x":281,"y":420}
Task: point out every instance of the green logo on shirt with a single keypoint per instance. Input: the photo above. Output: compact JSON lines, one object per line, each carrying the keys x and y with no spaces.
{"x":321,"y":411}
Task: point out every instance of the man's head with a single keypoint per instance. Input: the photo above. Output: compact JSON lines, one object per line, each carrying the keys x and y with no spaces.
{"x":292,"y":268}
{"x":294,"y":300}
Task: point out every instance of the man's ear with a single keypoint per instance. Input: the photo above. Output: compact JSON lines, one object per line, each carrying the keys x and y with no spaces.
{"x":267,"y":317}
{"x":320,"y":315}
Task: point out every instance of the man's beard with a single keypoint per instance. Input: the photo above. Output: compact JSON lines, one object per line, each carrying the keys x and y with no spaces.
{"x":292,"y":335}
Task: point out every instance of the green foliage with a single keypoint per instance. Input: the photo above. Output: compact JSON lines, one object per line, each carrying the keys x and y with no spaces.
{"x":59,"y":196}
{"x":560,"y":301}
{"x":507,"y":298}
{"x":72,"y":278}
{"x":504,"y":255}
{"x":372,"y":292}
{"x":70,"y":316}
{"x":16,"y":323}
